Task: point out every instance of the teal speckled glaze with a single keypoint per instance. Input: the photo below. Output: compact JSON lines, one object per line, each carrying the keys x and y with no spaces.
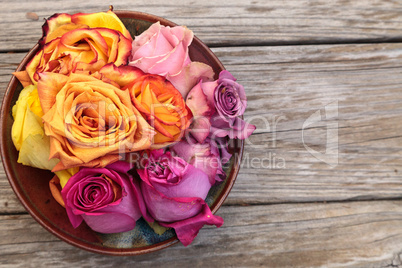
{"x":142,"y":235}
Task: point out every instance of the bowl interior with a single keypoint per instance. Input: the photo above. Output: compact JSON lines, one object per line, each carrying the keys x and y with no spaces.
{"x":31,"y":185}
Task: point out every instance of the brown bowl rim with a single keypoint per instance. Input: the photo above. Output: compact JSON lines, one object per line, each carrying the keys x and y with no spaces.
{"x":5,"y":109}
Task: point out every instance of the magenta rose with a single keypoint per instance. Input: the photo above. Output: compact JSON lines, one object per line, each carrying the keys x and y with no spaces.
{"x":174,"y":193}
{"x":107,"y":199}
{"x":164,"y":51}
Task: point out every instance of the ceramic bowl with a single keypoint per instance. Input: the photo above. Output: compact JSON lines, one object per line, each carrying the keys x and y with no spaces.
{"x":31,"y":185}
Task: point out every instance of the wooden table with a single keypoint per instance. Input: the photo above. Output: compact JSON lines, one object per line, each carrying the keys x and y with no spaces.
{"x":314,"y":71}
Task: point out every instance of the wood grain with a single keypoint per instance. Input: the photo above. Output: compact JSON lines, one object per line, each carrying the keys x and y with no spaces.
{"x":286,"y":85}
{"x":354,"y":234}
{"x":227,"y":22}
{"x":299,"y":61}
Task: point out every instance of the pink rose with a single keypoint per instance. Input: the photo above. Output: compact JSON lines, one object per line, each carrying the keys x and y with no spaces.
{"x":201,"y":102}
{"x":208,"y":156}
{"x":163,"y":50}
{"x":107,"y":199}
{"x":174,"y":193}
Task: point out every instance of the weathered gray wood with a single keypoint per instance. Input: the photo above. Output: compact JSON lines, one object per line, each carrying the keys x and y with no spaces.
{"x":354,"y":234}
{"x":270,"y":220}
{"x":227,"y":22}
{"x":288,"y":84}
{"x":8,"y":201}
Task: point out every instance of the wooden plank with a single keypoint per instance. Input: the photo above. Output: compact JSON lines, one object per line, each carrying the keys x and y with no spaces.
{"x":8,"y":201}
{"x":288,"y":85}
{"x":285,"y":86}
{"x":353,"y":234}
{"x":228,"y":22}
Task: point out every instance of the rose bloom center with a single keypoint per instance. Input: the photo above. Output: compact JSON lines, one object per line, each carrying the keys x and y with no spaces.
{"x":230,"y":99}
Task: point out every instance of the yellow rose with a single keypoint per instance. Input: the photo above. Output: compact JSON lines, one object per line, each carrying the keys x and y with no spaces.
{"x":27,"y":131}
{"x":29,"y":137}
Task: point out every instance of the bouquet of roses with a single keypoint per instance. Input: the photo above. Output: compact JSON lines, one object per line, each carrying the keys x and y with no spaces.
{"x":130,"y":128}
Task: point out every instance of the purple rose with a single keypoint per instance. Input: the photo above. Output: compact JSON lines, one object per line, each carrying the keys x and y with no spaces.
{"x":107,"y":199}
{"x":230,"y":103}
{"x":174,"y":193}
{"x":217,"y":107}
{"x":230,"y":98}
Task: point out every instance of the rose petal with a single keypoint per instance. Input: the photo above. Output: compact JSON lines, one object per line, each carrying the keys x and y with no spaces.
{"x":72,"y":37}
{"x":52,"y":24}
{"x":65,"y":175}
{"x":55,"y":190}
{"x":198,"y":102}
{"x":23,"y":77}
{"x":35,"y":152}
{"x":200,"y":128}
{"x":26,"y":122}
{"x":189,"y":148}
{"x":102,"y":20}
{"x":237,"y":129}
{"x":188,"y":229}
{"x":219,"y":147}
{"x":61,"y":30}
{"x":163,"y":50}
{"x":164,"y":209}
{"x":190,"y":75}
{"x":173,"y":62}
{"x":202,"y":108}
{"x":110,"y":223}
{"x":122,"y":75}
{"x":209,"y":164}
{"x":200,"y":156}
{"x":209,"y":88}
{"x":225,"y":74}
{"x":145,"y":44}
{"x":120,"y":49}
{"x":48,"y":87}
{"x":194,"y":183}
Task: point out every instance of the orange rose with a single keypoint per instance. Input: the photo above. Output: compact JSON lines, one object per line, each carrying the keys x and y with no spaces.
{"x":59,"y":24}
{"x":80,"y":43}
{"x":89,"y":121}
{"x":162,"y":106}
